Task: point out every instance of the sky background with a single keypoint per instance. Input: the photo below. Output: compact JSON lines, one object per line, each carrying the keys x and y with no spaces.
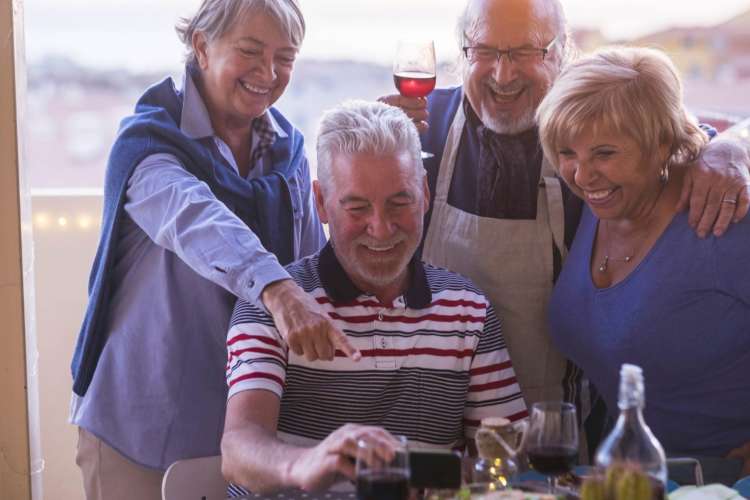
{"x":138,"y":34}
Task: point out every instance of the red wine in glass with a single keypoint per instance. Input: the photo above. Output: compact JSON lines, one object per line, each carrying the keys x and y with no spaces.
{"x":381,"y":479}
{"x":414,"y":83}
{"x":552,"y":439}
{"x":552,"y":460}
{"x":414,"y":70}
{"x":383,"y":485}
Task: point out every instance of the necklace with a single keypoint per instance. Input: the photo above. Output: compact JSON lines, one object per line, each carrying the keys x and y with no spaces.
{"x":605,"y":261}
{"x":608,"y":258}
{"x":664,"y":178}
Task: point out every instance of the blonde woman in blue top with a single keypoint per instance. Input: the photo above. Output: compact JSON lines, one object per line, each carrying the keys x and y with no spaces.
{"x":639,"y":286}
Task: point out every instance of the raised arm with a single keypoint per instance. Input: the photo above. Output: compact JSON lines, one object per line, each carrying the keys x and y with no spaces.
{"x":717,"y":187}
{"x":181,"y":214}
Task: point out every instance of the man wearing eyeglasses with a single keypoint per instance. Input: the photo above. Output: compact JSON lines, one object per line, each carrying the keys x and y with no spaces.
{"x":499,"y":214}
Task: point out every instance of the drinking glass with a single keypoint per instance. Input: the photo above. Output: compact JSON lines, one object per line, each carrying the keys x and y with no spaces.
{"x":414,"y":70}
{"x":378,"y":479}
{"x":552,"y":440}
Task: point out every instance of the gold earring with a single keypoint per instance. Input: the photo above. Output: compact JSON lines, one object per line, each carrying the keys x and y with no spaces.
{"x":664,"y":174}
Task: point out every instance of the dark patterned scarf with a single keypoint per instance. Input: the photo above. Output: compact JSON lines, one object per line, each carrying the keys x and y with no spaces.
{"x":509,"y":170}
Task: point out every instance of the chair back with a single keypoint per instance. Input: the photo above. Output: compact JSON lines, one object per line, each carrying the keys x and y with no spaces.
{"x":692,"y":462}
{"x":194,"y":479}
{"x":743,"y":486}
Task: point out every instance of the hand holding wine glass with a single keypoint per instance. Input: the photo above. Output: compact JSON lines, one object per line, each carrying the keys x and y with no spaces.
{"x":414,"y":70}
{"x":379,"y":479}
{"x":552,"y":440}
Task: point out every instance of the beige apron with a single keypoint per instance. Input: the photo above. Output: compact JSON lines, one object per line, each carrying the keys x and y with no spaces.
{"x":511,"y":261}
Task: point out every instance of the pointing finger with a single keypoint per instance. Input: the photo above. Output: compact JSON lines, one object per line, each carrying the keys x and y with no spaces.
{"x":342,"y":342}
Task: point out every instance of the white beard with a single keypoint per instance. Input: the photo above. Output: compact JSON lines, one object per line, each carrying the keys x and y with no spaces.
{"x":505,"y":125}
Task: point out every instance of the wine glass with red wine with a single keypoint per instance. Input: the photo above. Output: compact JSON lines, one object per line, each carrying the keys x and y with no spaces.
{"x":414,"y":70}
{"x":552,"y":440}
{"x":378,"y":479}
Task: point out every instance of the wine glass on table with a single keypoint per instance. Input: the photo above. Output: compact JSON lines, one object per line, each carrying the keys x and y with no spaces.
{"x":379,"y":479}
{"x":552,"y":440}
{"x":414,"y":70}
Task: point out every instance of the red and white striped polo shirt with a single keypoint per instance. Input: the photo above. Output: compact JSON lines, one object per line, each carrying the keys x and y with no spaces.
{"x":434,"y":362}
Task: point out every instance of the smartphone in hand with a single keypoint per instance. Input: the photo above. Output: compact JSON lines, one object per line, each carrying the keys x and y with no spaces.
{"x":436,"y":469}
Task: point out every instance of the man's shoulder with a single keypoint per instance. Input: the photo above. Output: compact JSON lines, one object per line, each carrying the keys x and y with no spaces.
{"x":305,"y":273}
{"x":442,"y":280}
{"x":247,"y":313}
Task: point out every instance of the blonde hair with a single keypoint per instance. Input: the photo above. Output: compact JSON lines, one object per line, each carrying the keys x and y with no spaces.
{"x":215,"y":17}
{"x":626,"y":90}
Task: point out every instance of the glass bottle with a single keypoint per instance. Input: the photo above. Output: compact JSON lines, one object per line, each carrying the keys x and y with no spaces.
{"x":499,"y":443}
{"x":631,"y":454}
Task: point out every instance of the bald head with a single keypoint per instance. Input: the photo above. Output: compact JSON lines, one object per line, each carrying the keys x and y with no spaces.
{"x":541,"y":17}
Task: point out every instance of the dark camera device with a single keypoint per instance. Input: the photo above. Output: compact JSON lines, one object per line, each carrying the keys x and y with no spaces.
{"x":435,"y":469}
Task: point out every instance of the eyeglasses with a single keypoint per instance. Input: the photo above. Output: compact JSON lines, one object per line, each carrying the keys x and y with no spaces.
{"x":518,"y":55}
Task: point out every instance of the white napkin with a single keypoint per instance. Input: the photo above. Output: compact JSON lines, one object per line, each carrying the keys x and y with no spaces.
{"x":708,"y":492}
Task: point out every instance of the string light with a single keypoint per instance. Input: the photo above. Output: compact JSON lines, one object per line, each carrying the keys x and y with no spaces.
{"x":42,"y":221}
{"x":84,"y":222}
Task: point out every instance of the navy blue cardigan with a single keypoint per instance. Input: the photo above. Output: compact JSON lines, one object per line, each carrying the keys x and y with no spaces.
{"x":264,"y":204}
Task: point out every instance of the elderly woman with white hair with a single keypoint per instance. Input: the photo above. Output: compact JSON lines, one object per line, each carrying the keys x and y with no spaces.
{"x":207,"y":196}
{"x":638,"y":285}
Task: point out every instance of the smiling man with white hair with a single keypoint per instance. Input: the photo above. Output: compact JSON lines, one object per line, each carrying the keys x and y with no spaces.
{"x":433,"y":362}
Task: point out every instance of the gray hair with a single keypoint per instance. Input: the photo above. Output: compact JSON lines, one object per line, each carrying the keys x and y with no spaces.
{"x":215,"y":17}
{"x":467,"y":21}
{"x":366,"y":127}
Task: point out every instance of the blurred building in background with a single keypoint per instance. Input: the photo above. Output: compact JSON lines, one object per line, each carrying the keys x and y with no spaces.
{"x":715,"y":63}
{"x":74,"y":111}
{"x":718,"y":53}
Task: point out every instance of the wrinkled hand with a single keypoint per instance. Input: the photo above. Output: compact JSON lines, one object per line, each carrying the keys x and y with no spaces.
{"x":414,"y":107}
{"x":304,"y":325}
{"x":743,"y":453}
{"x":316,"y":468}
{"x":719,"y":177}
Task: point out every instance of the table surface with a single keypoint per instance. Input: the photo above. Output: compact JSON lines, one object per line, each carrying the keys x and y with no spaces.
{"x":301,"y":495}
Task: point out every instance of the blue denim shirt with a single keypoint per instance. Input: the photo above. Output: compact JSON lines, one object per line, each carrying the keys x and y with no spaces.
{"x":159,"y":394}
